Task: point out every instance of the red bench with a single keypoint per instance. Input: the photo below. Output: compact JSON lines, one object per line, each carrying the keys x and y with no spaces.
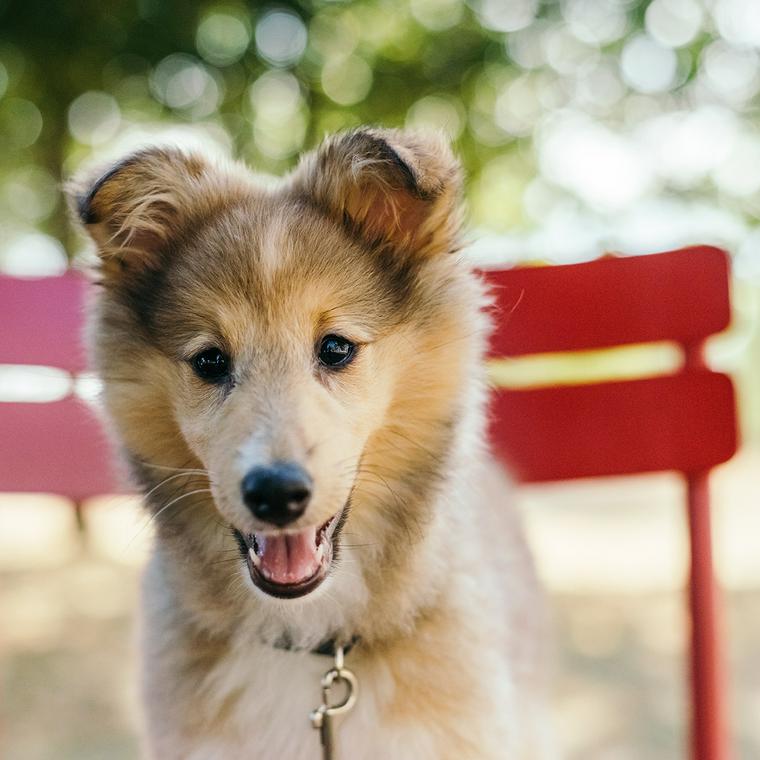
{"x":684,"y":421}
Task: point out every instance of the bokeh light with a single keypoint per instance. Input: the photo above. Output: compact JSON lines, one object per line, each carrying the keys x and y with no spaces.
{"x":737,"y":173}
{"x":281,"y":37}
{"x":223,"y":37}
{"x":33,"y":254}
{"x":334,"y":34}
{"x":440,"y":112}
{"x":437,"y":15}
{"x":738,"y":21}
{"x":647,"y":65}
{"x":20,"y":123}
{"x":674,"y":22}
{"x":731,"y":73}
{"x":94,"y":118}
{"x":517,"y":105}
{"x":506,"y":17}
{"x":347,"y":81}
{"x":596,"y":22}
{"x":592,"y":162}
{"x":182,"y":82}
{"x":276,"y":100}
{"x":31,"y":193}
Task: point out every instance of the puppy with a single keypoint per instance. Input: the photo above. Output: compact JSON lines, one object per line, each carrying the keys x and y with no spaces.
{"x":295,"y":375}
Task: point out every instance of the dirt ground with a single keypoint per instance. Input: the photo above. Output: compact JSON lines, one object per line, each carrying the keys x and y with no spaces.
{"x":67,"y":606}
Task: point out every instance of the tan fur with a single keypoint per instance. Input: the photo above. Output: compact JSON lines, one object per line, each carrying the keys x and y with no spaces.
{"x":432,"y":574}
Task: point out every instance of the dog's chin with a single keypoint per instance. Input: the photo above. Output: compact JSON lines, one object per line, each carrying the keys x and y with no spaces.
{"x":291,"y":563}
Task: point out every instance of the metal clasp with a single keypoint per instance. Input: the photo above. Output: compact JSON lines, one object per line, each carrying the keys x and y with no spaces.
{"x":321,"y":718}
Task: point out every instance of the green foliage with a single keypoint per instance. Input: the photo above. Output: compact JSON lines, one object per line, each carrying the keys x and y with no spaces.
{"x":523,"y":87}
{"x":378,"y":61}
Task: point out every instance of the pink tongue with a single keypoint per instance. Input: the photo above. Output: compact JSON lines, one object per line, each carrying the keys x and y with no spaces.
{"x":288,"y":557}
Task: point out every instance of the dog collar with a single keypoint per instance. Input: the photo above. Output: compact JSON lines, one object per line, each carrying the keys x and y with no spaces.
{"x":327,"y":648}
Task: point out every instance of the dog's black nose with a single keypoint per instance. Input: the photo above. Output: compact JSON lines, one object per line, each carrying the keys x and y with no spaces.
{"x":277,"y":494}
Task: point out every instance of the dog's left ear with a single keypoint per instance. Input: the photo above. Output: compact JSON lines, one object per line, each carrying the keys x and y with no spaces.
{"x":394,"y":189}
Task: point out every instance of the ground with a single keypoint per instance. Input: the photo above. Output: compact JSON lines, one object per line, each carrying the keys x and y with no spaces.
{"x":612,"y":554}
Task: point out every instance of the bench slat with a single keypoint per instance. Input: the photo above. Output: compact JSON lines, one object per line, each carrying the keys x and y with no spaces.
{"x":684,"y":422}
{"x":56,"y":447}
{"x":680,"y":296}
{"x":41,"y":321}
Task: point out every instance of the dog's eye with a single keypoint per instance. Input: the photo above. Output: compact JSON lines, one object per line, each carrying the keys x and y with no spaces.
{"x":211,"y":365}
{"x":335,"y":351}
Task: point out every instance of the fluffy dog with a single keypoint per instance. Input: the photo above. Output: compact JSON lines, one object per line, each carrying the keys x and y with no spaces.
{"x":295,"y":374}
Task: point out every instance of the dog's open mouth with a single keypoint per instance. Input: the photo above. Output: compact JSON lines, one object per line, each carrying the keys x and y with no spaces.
{"x":290,"y":563}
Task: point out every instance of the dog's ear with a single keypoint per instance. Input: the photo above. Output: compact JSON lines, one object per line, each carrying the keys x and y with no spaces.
{"x":136,"y":209}
{"x":392,"y":188}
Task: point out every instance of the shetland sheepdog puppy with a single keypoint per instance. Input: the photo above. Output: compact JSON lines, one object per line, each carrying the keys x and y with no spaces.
{"x":294,"y":372}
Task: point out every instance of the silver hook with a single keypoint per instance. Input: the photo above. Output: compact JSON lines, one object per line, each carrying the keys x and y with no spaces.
{"x":339,"y":673}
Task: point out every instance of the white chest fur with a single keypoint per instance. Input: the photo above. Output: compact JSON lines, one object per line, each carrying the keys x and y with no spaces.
{"x":277,"y":692}
{"x":274,"y":691}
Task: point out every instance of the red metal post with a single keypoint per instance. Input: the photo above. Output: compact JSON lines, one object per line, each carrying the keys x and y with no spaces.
{"x":680,"y":296}
{"x":709,"y":734}
{"x":709,"y":729}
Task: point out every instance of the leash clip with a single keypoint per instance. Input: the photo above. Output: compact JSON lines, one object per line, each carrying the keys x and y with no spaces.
{"x":321,"y":718}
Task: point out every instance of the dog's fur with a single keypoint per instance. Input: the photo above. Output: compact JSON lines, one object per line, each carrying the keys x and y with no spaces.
{"x":431,"y":575}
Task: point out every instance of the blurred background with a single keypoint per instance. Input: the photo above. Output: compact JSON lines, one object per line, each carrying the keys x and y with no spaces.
{"x":584,"y":126}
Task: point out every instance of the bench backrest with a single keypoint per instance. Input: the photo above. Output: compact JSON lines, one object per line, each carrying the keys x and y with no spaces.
{"x":58,"y":446}
{"x":684,"y":421}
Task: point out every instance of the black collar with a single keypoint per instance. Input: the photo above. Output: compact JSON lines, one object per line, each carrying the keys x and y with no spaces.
{"x":326,"y":648}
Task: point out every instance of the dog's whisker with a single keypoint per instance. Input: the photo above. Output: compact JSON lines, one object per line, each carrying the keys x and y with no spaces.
{"x":197,"y":470}
{"x":166,"y":480}
{"x":226,"y":561}
{"x":173,"y":491}
{"x":151,"y":518}
{"x":177,"y":499}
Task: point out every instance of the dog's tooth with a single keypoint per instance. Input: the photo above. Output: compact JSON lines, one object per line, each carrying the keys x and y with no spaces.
{"x":320,"y":552}
{"x":254,"y":558}
{"x":331,"y":526}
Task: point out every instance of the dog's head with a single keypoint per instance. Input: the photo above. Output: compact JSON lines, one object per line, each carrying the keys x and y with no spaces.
{"x":302,"y":349}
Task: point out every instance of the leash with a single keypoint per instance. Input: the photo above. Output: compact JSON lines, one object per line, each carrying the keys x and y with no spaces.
{"x":322,"y":717}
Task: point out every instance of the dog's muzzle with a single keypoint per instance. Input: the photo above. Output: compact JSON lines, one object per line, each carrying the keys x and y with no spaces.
{"x":290,"y":563}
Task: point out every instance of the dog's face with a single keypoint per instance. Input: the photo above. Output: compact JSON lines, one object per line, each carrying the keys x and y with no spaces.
{"x":304,"y":347}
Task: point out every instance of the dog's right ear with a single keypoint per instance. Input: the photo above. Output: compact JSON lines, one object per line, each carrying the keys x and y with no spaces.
{"x":135,"y":210}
